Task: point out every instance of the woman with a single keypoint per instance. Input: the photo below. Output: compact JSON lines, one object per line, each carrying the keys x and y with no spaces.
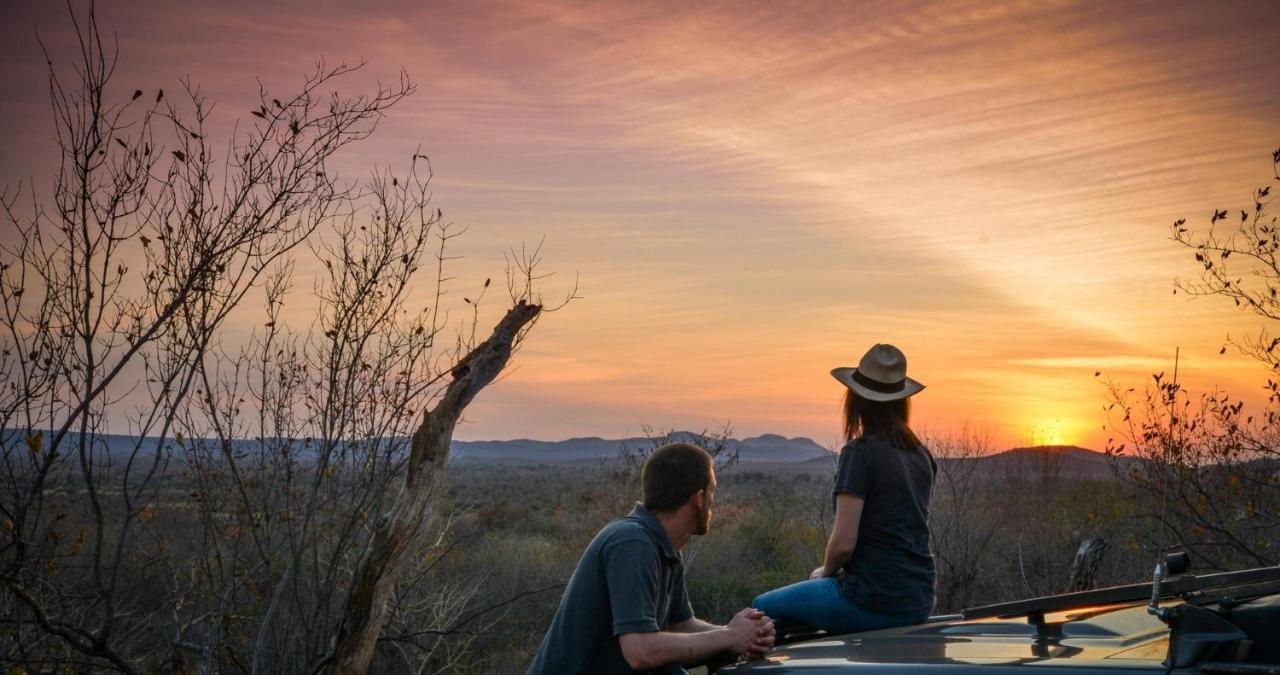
{"x":877,"y":571}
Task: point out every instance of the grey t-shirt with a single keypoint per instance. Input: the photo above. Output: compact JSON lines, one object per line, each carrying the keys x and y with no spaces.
{"x":629,"y":580}
{"x":891,"y":569}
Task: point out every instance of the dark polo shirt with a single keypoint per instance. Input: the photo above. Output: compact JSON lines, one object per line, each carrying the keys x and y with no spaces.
{"x":891,"y":569}
{"x":629,"y":580}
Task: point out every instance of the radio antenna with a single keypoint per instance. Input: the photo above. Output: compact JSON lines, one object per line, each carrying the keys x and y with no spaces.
{"x":1162,"y":570}
{"x":1173,"y":415}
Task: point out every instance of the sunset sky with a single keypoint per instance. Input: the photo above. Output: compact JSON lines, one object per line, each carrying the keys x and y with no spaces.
{"x":753,"y":193}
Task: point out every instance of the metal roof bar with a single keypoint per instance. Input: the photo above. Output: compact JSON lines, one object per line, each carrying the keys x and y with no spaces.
{"x":1118,"y":594}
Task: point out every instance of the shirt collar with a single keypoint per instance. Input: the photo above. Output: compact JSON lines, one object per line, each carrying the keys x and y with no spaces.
{"x":654,"y":526}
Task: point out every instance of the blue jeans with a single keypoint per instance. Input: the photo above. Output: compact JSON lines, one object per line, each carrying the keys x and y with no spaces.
{"x":818,"y":603}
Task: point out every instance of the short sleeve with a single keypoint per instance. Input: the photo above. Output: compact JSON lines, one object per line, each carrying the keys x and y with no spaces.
{"x":681,"y":609}
{"x":631,"y":573}
{"x":853,"y":475}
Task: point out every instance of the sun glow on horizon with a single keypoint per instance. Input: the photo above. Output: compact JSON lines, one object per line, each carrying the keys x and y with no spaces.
{"x":1053,"y":432}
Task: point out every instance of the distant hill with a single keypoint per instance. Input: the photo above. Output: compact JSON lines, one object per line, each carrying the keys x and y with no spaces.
{"x":767,"y":448}
{"x":1060,"y":461}
{"x":1065,"y":461}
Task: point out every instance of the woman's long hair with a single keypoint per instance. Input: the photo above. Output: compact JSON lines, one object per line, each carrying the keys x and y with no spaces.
{"x":887,"y":419}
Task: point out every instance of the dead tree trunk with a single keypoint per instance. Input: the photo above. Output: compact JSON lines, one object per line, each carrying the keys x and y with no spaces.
{"x":400,"y":528}
{"x":1084,"y":571}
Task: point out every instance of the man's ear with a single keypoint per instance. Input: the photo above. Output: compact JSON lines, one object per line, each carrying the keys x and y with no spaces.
{"x":699,"y":500}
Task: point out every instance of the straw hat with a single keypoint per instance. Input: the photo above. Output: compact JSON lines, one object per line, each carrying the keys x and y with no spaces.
{"x":881,"y":375}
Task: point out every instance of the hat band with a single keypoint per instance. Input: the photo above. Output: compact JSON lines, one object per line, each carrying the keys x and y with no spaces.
{"x":878,"y":386}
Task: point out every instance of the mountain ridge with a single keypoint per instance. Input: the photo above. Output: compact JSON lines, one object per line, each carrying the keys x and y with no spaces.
{"x":773,"y":449}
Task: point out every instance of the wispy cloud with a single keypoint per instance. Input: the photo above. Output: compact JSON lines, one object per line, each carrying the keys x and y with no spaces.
{"x":754,"y":193}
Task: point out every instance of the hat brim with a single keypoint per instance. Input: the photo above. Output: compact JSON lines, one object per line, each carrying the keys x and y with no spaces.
{"x":845,"y":376}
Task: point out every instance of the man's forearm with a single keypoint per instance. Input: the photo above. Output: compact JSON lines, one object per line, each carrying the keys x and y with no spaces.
{"x":665,"y":648}
{"x":694,"y":625}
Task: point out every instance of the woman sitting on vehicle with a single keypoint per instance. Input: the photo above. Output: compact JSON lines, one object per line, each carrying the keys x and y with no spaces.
{"x":878,"y":570}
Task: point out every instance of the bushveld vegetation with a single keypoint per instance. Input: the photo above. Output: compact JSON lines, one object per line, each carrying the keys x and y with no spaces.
{"x":282,"y":505}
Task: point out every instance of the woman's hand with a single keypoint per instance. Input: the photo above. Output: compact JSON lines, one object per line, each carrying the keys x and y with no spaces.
{"x":819,"y":573}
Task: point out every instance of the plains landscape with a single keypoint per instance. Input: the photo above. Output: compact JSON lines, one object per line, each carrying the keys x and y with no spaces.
{"x":331,"y":334}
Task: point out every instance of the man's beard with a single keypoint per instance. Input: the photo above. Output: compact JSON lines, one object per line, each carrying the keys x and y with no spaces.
{"x":702,"y":522}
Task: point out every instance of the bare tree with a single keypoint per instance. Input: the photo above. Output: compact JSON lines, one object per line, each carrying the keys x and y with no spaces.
{"x":396,"y":533}
{"x":962,"y":516}
{"x":172,"y":499}
{"x":1208,"y":471}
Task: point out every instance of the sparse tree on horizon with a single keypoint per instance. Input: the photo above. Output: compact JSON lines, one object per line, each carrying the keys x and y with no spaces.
{"x":272,"y":495}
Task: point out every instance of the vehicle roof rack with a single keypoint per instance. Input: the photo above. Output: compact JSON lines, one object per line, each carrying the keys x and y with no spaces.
{"x":1035,"y":608}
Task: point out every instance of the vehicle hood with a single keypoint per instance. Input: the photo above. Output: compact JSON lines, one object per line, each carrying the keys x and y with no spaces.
{"x":1114,"y":637}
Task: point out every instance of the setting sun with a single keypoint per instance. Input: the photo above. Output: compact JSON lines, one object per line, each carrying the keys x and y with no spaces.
{"x":1053,"y":432}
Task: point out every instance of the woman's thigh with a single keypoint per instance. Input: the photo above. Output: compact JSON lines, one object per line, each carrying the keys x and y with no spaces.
{"x":818,"y":603}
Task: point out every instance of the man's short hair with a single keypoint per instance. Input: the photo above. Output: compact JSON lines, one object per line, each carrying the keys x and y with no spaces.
{"x":673,"y":474}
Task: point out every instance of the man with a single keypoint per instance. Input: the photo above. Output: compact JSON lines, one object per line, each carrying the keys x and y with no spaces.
{"x":625,"y":609}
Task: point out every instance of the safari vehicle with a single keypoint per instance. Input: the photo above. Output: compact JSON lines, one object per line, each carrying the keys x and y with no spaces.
{"x":1179,"y":623}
